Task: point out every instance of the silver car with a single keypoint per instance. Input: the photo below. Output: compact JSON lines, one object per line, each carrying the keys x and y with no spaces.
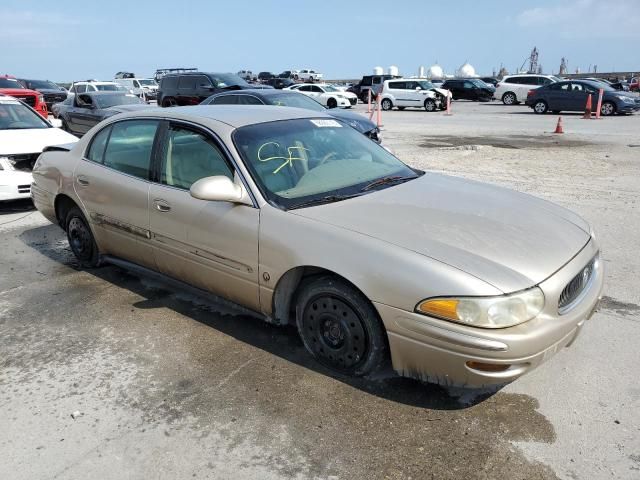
{"x":299,"y":217}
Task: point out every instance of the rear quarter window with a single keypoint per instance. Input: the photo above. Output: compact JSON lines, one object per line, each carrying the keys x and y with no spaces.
{"x":169,"y":83}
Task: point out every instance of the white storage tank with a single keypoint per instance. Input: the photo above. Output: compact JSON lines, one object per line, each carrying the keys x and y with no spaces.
{"x":393,"y":70}
{"x":378,"y":70}
{"x":435,"y":71}
{"x":421,"y":72}
{"x":467,"y":70}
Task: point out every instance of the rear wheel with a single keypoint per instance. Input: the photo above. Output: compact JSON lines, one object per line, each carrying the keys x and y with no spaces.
{"x":386,"y":104}
{"x":169,"y":102}
{"x":509,"y":98}
{"x":540,"y":107}
{"x":332,"y":103}
{"x":607,"y":108}
{"x":430,"y":105}
{"x":340,"y":327}
{"x":81,"y":240}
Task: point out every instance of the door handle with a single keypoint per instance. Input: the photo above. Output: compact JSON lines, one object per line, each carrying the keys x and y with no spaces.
{"x":83,"y":181}
{"x":162,"y":206}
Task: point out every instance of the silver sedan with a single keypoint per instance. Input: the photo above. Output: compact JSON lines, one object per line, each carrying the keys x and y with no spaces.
{"x":297,"y":216}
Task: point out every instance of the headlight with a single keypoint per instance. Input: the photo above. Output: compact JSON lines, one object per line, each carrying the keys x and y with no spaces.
{"x":626,"y":99}
{"x":486,"y":312}
{"x":40,"y":98}
{"x":340,"y":96}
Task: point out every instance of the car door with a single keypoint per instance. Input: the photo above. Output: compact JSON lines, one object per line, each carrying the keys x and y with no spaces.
{"x":186,"y":92}
{"x":554,"y":95}
{"x":577,"y":98}
{"x":211,"y":245}
{"x":82,"y":115}
{"x":414,"y":94}
{"x":112,"y":181}
{"x":469,"y":91}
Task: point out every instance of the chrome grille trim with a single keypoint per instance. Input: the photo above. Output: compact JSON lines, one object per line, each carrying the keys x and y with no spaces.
{"x":575,"y":290}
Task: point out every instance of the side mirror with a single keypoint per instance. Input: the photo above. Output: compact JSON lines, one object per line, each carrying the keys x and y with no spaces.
{"x":219,"y":189}
{"x":418,"y":88}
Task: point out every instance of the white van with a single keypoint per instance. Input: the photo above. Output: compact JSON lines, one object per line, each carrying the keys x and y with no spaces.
{"x":413,"y":92}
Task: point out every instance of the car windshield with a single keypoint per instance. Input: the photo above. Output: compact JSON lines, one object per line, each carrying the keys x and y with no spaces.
{"x":109,"y":87}
{"x":224,"y":80}
{"x":297,"y":100}
{"x":147,"y":82}
{"x":425,"y":85}
{"x":478,"y":83}
{"x":36,"y":84}
{"x":106,"y":101}
{"x":15,"y":116}
{"x":555,"y":79}
{"x":601,"y":85}
{"x":305,"y":161}
{"x":10,"y":83}
{"x":329,"y":88}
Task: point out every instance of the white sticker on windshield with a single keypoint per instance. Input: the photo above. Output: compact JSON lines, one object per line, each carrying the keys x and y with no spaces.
{"x":326,"y":123}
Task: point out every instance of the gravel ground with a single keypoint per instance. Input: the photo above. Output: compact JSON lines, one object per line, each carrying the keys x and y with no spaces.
{"x":105,"y":374}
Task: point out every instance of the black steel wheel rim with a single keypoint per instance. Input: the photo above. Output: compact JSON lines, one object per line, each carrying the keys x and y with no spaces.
{"x":80,"y":238}
{"x":335,"y":332}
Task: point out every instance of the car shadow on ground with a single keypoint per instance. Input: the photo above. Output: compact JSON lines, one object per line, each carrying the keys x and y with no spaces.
{"x":16,"y":206}
{"x":159,"y":293}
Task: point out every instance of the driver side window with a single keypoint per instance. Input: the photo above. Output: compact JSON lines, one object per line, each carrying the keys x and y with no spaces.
{"x":189,"y":156}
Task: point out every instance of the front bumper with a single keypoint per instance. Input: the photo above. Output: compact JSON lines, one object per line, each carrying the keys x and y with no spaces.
{"x":439,"y":351}
{"x":14,"y":192}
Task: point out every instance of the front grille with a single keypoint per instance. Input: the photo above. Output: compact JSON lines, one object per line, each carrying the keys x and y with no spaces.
{"x":24,"y":162}
{"x":54,"y":97}
{"x":24,"y":188}
{"x":576,"y":286}
{"x":28,"y":99}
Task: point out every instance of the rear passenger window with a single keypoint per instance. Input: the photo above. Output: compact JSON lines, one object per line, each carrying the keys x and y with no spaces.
{"x":187,"y":82}
{"x":397,"y":85}
{"x":225,"y":100}
{"x":96,"y":149}
{"x":190,"y":156}
{"x":248,"y":100}
{"x":129,"y":147}
{"x":169,"y":82}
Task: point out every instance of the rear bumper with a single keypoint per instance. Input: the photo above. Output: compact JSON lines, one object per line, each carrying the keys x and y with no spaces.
{"x":439,"y":351}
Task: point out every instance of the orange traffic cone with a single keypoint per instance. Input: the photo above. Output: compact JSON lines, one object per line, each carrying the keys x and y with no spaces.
{"x":587,"y":110}
{"x":559,"y":126}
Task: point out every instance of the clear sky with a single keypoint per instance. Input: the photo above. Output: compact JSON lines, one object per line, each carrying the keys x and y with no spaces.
{"x":341,"y":38}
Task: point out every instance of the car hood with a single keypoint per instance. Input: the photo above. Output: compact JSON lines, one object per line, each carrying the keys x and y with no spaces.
{"x":357,"y":121}
{"x":50,"y":91}
{"x":17,"y":91}
{"x":14,"y":142}
{"x":510,"y":240}
{"x":442,"y":91}
{"x":15,"y":177}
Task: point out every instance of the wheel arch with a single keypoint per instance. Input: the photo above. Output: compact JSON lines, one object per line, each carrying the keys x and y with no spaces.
{"x":289,"y":285}
{"x":62,"y":204}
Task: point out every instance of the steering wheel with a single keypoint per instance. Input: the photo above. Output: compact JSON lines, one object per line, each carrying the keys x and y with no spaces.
{"x":327,"y":157}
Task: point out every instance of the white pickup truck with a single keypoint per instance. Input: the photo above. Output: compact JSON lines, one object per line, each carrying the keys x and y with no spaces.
{"x":307,"y":75}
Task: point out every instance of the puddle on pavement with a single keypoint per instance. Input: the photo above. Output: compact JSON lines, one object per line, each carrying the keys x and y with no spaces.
{"x":508,"y":142}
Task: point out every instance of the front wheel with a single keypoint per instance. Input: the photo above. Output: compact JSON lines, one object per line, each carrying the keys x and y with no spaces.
{"x":386,"y":104}
{"x":607,"y":108}
{"x":430,"y":105}
{"x":332,"y":103}
{"x":540,"y":107}
{"x":81,"y":240}
{"x":340,"y":327}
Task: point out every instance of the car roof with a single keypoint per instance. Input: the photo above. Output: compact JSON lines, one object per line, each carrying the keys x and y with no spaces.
{"x":258,"y":92}
{"x":101,"y":93}
{"x":232,"y":115}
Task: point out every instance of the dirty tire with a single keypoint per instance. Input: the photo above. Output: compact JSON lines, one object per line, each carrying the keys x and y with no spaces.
{"x":169,"y":102}
{"x":332,"y":103}
{"x":430,"y":105}
{"x":509,"y":98}
{"x":81,"y":240}
{"x":607,"y":108}
{"x":340,"y":328}
{"x":386,"y":104}
{"x":540,"y":107}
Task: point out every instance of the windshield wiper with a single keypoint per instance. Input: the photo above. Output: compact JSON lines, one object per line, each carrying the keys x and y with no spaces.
{"x":386,"y":181}
{"x":325,"y":199}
